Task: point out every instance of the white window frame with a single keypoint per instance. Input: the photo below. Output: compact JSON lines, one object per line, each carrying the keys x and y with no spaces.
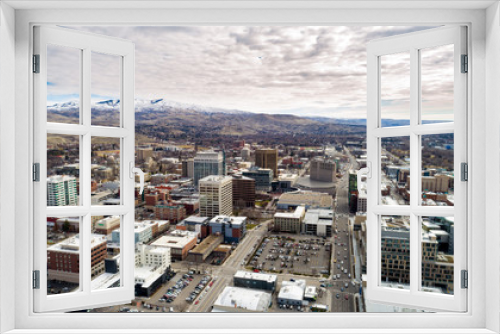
{"x":123,"y":50}
{"x":413,"y":43}
{"x":484,"y":49}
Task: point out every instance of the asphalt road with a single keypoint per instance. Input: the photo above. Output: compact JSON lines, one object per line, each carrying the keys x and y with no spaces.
{"x":341,"y":224}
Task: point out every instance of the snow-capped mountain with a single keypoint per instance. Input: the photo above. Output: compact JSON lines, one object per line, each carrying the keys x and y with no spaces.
{"x":142,"y":105}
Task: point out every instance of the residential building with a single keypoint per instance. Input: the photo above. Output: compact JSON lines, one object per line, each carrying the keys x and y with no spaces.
{"x":169,"y":211}
{"x":208,"y":163}
{"x":437,"y":266}
{"x":216,"y":196}
{"x":63,"y":258}
{"x":61,"y":190}
{"x":243,"y":191}
{"x":289,"y":221}
{"x":267,"y":158}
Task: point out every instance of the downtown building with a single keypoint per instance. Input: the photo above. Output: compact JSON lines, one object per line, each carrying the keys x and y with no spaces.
{"x":62,"y":191}
{"x":216,"y":196}
{"x":267,"y":158}
{"x":208,"y":163}
{"x":323,"y":170}
{"x":170,"y":211}
{"x":437,"y":266}
{"x":63,"y":258}
{"x":289,"y":221}
{"x":243,"y":192}
{"x":263,"y":178}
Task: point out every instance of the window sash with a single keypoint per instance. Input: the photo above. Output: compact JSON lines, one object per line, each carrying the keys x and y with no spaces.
{"x":414,"y":297}
{"x":85,"y":297}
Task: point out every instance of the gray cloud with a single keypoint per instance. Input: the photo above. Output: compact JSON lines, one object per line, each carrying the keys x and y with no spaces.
{"x":320,"y":70}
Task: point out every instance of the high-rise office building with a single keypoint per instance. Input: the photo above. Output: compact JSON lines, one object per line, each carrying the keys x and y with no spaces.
{"x":188,"y":168}
{"x":61,"y":190}
{"x":243,"y":191}
{"x":263,"y":178}
{"x":208,"y":163}
{"x":267,"y":158}
{"x":216,"y":196}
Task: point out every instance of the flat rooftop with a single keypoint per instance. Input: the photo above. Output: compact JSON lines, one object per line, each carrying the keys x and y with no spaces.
{"x":298,"y":213}
{"x":175,"y":240}
{"x":270,"y":278}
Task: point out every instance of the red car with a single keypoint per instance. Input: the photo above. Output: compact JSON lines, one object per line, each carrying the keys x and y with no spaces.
{"x":346,"y":297}
{"x":197,"y":302}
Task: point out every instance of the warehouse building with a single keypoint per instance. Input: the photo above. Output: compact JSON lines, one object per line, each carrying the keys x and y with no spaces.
{"x":292,"y":293}
{"x":234,"y":299}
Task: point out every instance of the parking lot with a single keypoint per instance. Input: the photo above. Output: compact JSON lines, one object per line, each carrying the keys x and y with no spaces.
{"x":175,"y":296}
{"x":292,"y":254}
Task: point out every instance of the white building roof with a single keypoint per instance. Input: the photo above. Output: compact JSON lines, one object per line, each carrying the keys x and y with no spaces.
{"x":222,"y":219}
{"x":299,"y":212}
{"x":216,"y":179}
{"x":242,"y":299}
{"x":175,"y":239}
{"x":292,"y":290}
{"x":72,"y":244}
{"x":256,"y":276}
{"x":319,"y":217}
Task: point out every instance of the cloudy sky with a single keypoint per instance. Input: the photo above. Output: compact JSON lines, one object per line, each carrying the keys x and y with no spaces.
{"x":313,"y":70}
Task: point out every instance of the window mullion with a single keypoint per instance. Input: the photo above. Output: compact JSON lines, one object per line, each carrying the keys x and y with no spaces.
{"x":414,"y":163}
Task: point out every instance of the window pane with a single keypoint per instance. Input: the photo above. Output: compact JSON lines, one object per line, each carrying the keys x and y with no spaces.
{"x":437,"y":169}
{"x":395,"y":251}
{"x":395,"y":89}
{"x":63,"y":170}
{"x":437,"y":254}
{"x":395,"y":171}
{"x":105,"y":183}
{"x":63,"y":84}
{"x":105,"y":252}
{"x":437,"y":82}
{"x":106,"y":89}
{"x":63,"y":254}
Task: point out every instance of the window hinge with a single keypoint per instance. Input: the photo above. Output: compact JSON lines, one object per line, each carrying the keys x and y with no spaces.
{"x":36,"y":63}
{"x":465,"y":64}
{"x":36,"y":172}
{"x":36,"y":279}
{"x":464,"y":171}
{"x":465,"y":279}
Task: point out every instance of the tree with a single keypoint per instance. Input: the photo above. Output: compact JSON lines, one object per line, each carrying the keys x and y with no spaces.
{"x":66,"y":226}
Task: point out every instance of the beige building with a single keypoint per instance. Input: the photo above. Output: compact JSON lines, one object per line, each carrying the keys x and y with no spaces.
{"x":216,"y":196}
{"x":439,"y":183}
{"x":323,"y":170}
{"x":289,"y":221}
{"x":267,"y":158}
